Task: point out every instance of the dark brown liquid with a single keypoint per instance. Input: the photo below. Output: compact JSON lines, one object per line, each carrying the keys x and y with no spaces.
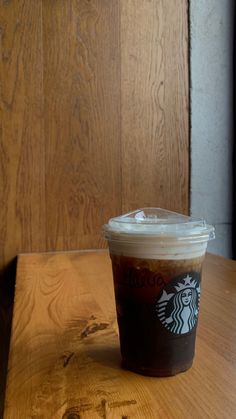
{"x":150,"y":344}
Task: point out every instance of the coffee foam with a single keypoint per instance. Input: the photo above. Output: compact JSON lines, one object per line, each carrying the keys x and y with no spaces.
{"x":157,"y":250}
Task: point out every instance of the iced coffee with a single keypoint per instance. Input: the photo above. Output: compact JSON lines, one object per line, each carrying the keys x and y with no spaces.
{"x":157,"y":259}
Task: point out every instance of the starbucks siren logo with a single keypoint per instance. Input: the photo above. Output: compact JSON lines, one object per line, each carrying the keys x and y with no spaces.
{"x":178,"y":309}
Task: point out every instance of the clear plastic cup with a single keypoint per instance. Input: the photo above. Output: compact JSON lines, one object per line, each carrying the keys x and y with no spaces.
{"x":157,"y":260}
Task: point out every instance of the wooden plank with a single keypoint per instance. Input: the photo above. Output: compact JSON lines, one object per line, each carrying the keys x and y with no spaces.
{"x":154,"y":103}
{"x":65,"y":362}
{"x":82,"y":120}
{"x":22,"y":174}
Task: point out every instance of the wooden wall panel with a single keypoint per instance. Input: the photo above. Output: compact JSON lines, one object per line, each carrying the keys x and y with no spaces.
{"x":154,"y":104}
{"x":22,"y":174}
{"x":94,"y":117}
{"x":176,"y":105}
{"x":82,"y":120}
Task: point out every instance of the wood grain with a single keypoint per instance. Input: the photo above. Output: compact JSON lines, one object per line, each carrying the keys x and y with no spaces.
{"x":154,"y":104}
{"x":82,"y":120}
{"x":64,"y":358}
{"x":94,"y":117}
{"x":22,"y":153}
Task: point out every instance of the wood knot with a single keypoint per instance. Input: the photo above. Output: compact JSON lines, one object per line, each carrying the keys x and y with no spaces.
{"x":71,"y":415}
{"x":93,"y":328}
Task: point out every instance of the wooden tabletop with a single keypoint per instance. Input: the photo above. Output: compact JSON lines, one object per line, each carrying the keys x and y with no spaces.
{"x":64,"y":356}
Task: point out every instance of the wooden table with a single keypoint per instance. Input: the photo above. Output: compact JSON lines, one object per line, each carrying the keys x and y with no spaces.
{"x":64,"y":356}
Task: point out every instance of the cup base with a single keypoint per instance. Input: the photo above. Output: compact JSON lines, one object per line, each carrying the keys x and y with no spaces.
{"x":154,"y":372}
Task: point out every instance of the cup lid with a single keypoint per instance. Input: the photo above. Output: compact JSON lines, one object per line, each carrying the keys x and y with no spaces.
{"x":156,"y":223}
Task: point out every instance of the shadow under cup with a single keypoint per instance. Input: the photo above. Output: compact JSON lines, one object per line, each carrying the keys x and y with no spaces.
{"x":157,"y":260}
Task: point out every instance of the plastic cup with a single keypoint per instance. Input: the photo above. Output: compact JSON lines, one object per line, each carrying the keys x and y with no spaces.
{"x":157,"y":260}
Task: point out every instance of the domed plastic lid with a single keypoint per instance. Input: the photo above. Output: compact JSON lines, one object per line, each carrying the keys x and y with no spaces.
{"x":157,"y":223}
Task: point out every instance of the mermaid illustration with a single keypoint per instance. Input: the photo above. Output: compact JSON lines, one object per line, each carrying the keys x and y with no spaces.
{"x":178,"y":312}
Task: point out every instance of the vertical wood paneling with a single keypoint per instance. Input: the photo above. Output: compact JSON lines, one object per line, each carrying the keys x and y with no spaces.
{"x":82,"y":120}
{"x":22,"y":174}
{"x":94,"y":117}
{"x":176,"y":104}
{"x":154,"y":104}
